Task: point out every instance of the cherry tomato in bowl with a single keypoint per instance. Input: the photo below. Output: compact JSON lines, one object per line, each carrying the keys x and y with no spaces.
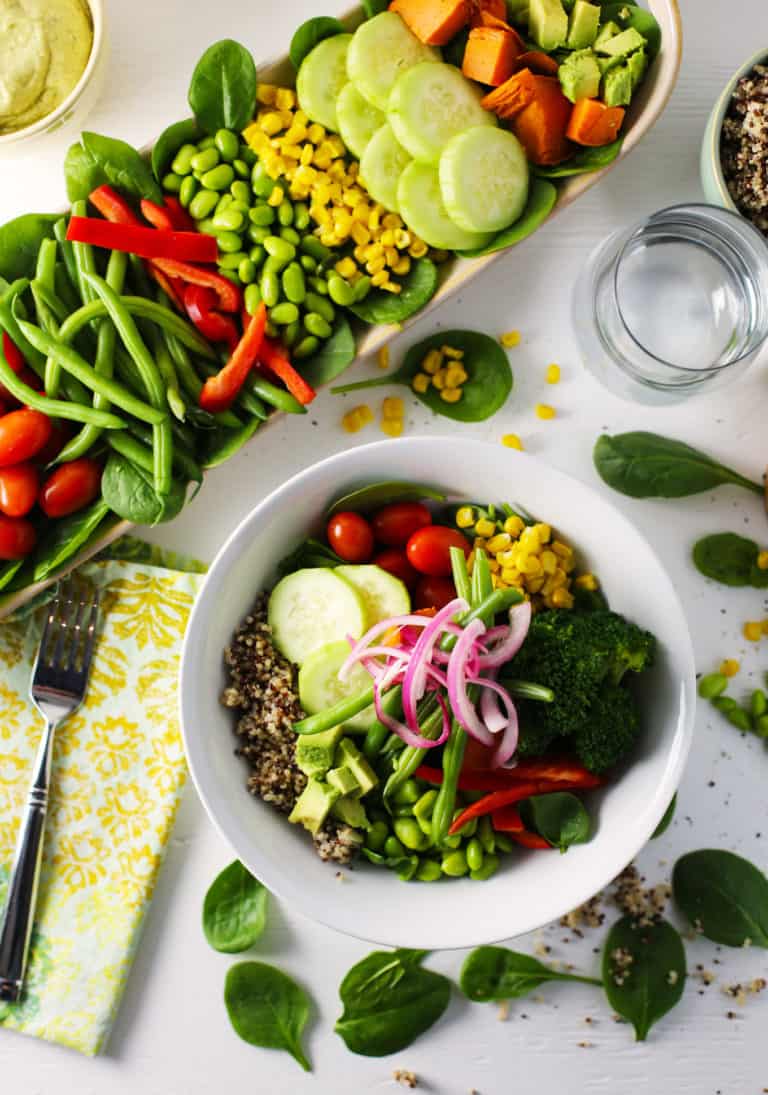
{"x":70,"y":487}
{"x":429,"y":548}
{"x":393,"y":525}
{"x":17,"y":537}
{"x":18,"y":489}
{"x":61,"y":431}
{"x":22,"y":435}
{"x":396,"y":563}
{"x":434,"y":593}
{"x":351,"y":537}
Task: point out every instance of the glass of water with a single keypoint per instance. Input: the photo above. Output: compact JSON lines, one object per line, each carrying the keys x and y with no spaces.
{"x":675,"y":305}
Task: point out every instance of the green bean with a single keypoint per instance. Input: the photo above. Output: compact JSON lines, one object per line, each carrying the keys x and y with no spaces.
{"x":183,"y":459}
{"x":64,"y":289}
{"x":430,"y":718}
{"x":133,"y":449}
{"x":460,"y":574}
{"x":503,"y":842}
{"x":377,"y":732}
{"x":143,"y":309}
{"x":276,"y":397}
{"x":247,"y":400}
{"x":164,"y":362}
{"x":469,"y":828}
{"x":67,"y":251}
{"x":163,"y":456}
{"x":45,"y":270}
{"x":528,"y":690}
{"x":482,"y":582}
{"x":485,"y":834}
{"x":714,"y":684}
{"x":230,"y":445}
{"x":9,"y":324}
{"x":85,"y":260}
{"x":428,"y":871}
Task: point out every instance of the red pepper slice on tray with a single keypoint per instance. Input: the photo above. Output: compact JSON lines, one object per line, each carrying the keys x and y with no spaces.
{"x":112,"y":206}
{"x":171,"y":216}
{"x":229,"y":295}
{"x":148,"y":243}
{"x":200,"y":305}
{"x":273,"y":356}
{"x":220,"y":391}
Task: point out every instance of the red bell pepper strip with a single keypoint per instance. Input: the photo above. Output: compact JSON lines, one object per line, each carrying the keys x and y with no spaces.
{"x":273,"y":356}
{"x":531,"y":840}
{"x":171,"y":216}
{"x":148,"y":243}
{"x":507,"y":797}
{"x":172,"y":287}
{"x":220,"y":391}
{"x":507,"y":820}
{"x":112,"y":206}
{"x":229,"y":295}
{"x":181,"y":218}
{"x":200,"y":303}
{"x":554,"y":771}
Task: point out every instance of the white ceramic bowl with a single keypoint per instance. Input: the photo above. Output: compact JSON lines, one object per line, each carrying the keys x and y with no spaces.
{"x":82,"y":98}
{"x":531,"y":889}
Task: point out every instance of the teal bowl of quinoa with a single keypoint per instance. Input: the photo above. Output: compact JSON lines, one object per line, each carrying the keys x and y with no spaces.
{"x":734,"y":151}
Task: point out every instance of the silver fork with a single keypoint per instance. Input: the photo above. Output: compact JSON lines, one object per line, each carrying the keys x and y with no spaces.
{"x":59,"y":682}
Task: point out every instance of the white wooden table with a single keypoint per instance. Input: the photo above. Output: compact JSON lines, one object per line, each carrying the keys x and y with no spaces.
{"x":172,"y":1036}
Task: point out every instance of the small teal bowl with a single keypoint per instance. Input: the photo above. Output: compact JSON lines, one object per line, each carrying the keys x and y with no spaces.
{"x":711,"y":169}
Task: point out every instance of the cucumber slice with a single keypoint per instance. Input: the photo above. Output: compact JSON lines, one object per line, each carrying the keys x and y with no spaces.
{"x":383,"y":595}
{"x":358,"y":119}
{"x":430,"y":104}
{"x":310,"y":608}
{"x":382,"y":48}
{"x":383,"y":162}
{"x":320,"y":687}
{"x":484,"y":179}
{"x":322,"y":75}
{"x":421,"y":207}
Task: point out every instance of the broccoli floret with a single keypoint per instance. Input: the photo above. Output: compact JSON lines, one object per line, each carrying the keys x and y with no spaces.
{"x":610,"y":730}
{"x":535,"y":738}
{"x":625,"y":646}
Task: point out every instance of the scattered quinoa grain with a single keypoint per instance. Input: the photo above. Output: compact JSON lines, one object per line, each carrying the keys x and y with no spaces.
{"x":405,"y":1077}
{"x":744,"y":146}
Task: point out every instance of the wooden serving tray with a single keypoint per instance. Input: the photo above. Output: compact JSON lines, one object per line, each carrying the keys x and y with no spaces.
{"x":646,"y":108}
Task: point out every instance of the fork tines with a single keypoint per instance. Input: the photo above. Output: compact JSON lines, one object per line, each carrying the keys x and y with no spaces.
{"x":70,"y":628}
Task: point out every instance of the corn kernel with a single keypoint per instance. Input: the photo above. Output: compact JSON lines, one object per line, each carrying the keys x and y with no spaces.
{"x":508,"y":558}
{"x":432,"y":362}
{"x":420,"y":383}
{"x":382,"y":356}
{"x":358,"y":417}
{"x":465,"y":517}
{"x":494,"y":567}
{"x":337,"y":146}
{"x":375,"y":218}
{"x":559,"y":578}
{"x":307,"y":153}
{"x":353,"y":170}
{"x":753,"y":631}
{"x":512,"y":441}
{"x":345,"y":267}
{"x":306,"y":174}
{"x":510,"y":338}
{"x":730,"y":667}
{"x":451,"y":395}
{"x":297,"y":133}
{"x":510,"y":575}
{"x":392,"y":426}
{"x":553,"y":374}
{"x":438,"y":380}
{"x":544,"y":531}
{"x":418,"y":249}
{"x":391,"y":255}
{"x":338,"y":173}
{"x":530,"y":539}
{"x":376,"y":266}
{"x":402,"y":266}
{"x":484,"y":527}
{"x":322,"y":216}
{"x":291,"y":151}
{"x":379,"y":279}
{"x":362,"y":212}
{"x":270,"y":123}
{"x":403,"y":238}
{"x":545,"y":411}
{"x":359,"y":253}
{"x":359,"y":233}
{"x":301,"y":117}
{"x":514,"y":525}
{"x":285,"y":99}
{"x":532,"y":566}
{"x":374,"y":251}
{"x":762,"y":560}
{"x":548,"y":562}
{"x":561,"y":549}
{"x":277,"y":195}
{"x":455,"y":376}
{"x":452,"y":352}
{"x":561,"y":598}
{"x":387,"y":237}
{"x":393,"y":407}
{"x":266,"y":94}
{"x":534,"y":585}
{"x":390,"y":286}
{"x":391,"y":220}
{"x":499,"y":542}
{"x":568,"y":564}
{"x":587,"y":581}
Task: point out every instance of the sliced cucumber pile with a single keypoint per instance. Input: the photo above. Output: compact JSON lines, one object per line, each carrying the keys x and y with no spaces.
{"x":322,"y":76}
{"x":484,"y":179}
{"x":358,"y":119}
{"x":383,"y":162}
{"x":422,"y":209}
{"x":320,"y":687}
{"x":382,"y":49}
{"x":312,"y":607}
{"x":383,"y":595}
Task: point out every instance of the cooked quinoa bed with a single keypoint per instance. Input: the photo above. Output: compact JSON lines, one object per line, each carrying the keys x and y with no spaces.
{"x":263,"y":691}
{"x":744,"y":146}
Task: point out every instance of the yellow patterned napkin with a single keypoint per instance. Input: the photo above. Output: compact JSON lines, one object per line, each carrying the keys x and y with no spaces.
{"x":117,"y":777}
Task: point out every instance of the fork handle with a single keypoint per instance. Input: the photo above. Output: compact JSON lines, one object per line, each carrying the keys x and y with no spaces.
{"x":18,"y":918}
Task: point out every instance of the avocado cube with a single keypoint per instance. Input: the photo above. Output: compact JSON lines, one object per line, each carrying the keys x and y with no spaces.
{"x":548,"y":23}
{"x":637,"y":63}
{"x":349,"y":756}
{"x":351,"y":811}
{"x":312,"y":805}
{"x":343,"y":779}
{"x":315,"y":752}
{"x":582,"y":25}
{"x":607,"y":31}
{"x":605,"y":64}
{"x":621,"y":45}
{"x":617,"y":86}
{"x":579,"y":75}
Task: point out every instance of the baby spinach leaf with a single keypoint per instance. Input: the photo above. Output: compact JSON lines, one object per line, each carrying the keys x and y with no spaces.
{"x":560,"y":818}
{"x":267,"y":1008}
{"x":419,"y":287}
{"x":644,"y":971}
{"x":64,"y":538}
{"x":374,"y":7}
{"x":98,"y":160}
{"x":310,"y":553}
{"x":585,"y":161}
{"x":389,"y":1000}
{"x":666,"y":820}
{"x":630,"y":15}
{"x":496,"y":973}
{"x":487,"y":366}
{"x":170,"y":141}
{"x":20,"y":241}
{"x":333,"y":357}
{"x":376,"y":495}
{"x":222,"y":93}
{"x":127,"y":490}
{"x":724,"y":896}
{"x":9,"y":570}
{"x":730,"y":559}
{"x":541,"y":200}
{"x":234,"y":910}
{"x":310,"y":34}
{"x":647,"y":465}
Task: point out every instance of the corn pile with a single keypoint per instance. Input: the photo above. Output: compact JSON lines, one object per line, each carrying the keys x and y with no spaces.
{"x":442,"y":369}
{"x":314,"y":163}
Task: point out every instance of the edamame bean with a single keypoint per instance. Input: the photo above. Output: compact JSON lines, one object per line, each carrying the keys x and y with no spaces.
{"x":410,"y":835}
{"x":425,"y":804}
{"x":229,"y":241}
{"x":256,"y":255}
{"x":761,"y":726}
{"x":449,"y":841}
{"x":293,"y":283}
{"x":362,"y":288}
{"x":306,"y":347}
{"x":284,"y":313}
{"x":402,"y":809}
{"x":291,"y":333}
{"x":393,"y":848}
{"x":340,"y":291}
{"x":300,"y":216}
{"x":241,"y":168}
{"x":725,"y":704}
{"x":252,"y":298}
{"x":376,"y":836}
{"x":279,"y":250}
{"x":474,"y":854}
{"x":230,"y":275}
{"x":270,"y":287}
{"x":739,"y":718}
{"x":428,"y":871}
{"x":503,"y":843}
{"x":172,"y":182}
{"x":469,"y":828}
{"x":203,"y":204}
{"x":311,"y":245}
{"x":316,"y":325}
{"x":218,"y":178}
{"x":308,"y":263}
{"x":490,"y":866}
{"x":262,"y":215}
{"x":246,"y":271}
{"x":232,"y":261}
{"x":285,"y":213}
{"x":758,"y":703}
{"x":714,"y":684}
{"x":316,"y":303}
{"x":227,"y":143}
{"x":224,"y":202}
{"x":290,"y":235}
{"x":455,"y":864}
{"x":320,"y":285}
{"x":187,"y":190}
{"x":258,"y":235}
{"x":241,"y":191}
{"x":261,"y":182}
{"x":206,"y":142}
{"x":182,"y":161}
{"x":204,"y":161}
{"x":228,"y":221}
{"x":485,"y":834}
{"x":408,"y":792}
{"x":206,"y":226}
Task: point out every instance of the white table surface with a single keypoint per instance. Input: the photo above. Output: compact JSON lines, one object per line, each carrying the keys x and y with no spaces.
{"x":172,"y":1036}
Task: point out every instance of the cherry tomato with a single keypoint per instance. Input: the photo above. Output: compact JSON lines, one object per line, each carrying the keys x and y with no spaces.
{"x":22,"y":435}
{"x":396,"y":562}
{"x":15,"y":361}
{"x":428,"y":549}
{"x":17,"y":537}
{"x":18,"y":489}
{"x":70,"y":487}
{"x":351,"y":537}
{"x":61,"y":431}
{"x":434,"y":592}
{"x":394,"y":525}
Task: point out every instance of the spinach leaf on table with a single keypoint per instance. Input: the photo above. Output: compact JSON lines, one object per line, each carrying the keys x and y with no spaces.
{"x":561,"y":818}
{"x":170,"y":141}
{"x":644,"y":971}
{"x":630,"y":15}
{"x":128,"y":490}
{"x":496,"y":973}
{"x":333,"y":356}
{"x":222,"y":92}
{"x":98,"y":160}
{"x":418,"y":288}
{"x":267,"y":1008}
{"x":666,"y":820}
{"x":585,"y":161}
{"x":20,"y":241}
{"x":724,"y":896}
{"x":647,"y":465}
{"x":389,"y":1000}
{"x":541,"y":200}
{"x":234,"y":910}
{"x":730,"y":559}
{"x":65,"y":537}
{"x":309,"y":34}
